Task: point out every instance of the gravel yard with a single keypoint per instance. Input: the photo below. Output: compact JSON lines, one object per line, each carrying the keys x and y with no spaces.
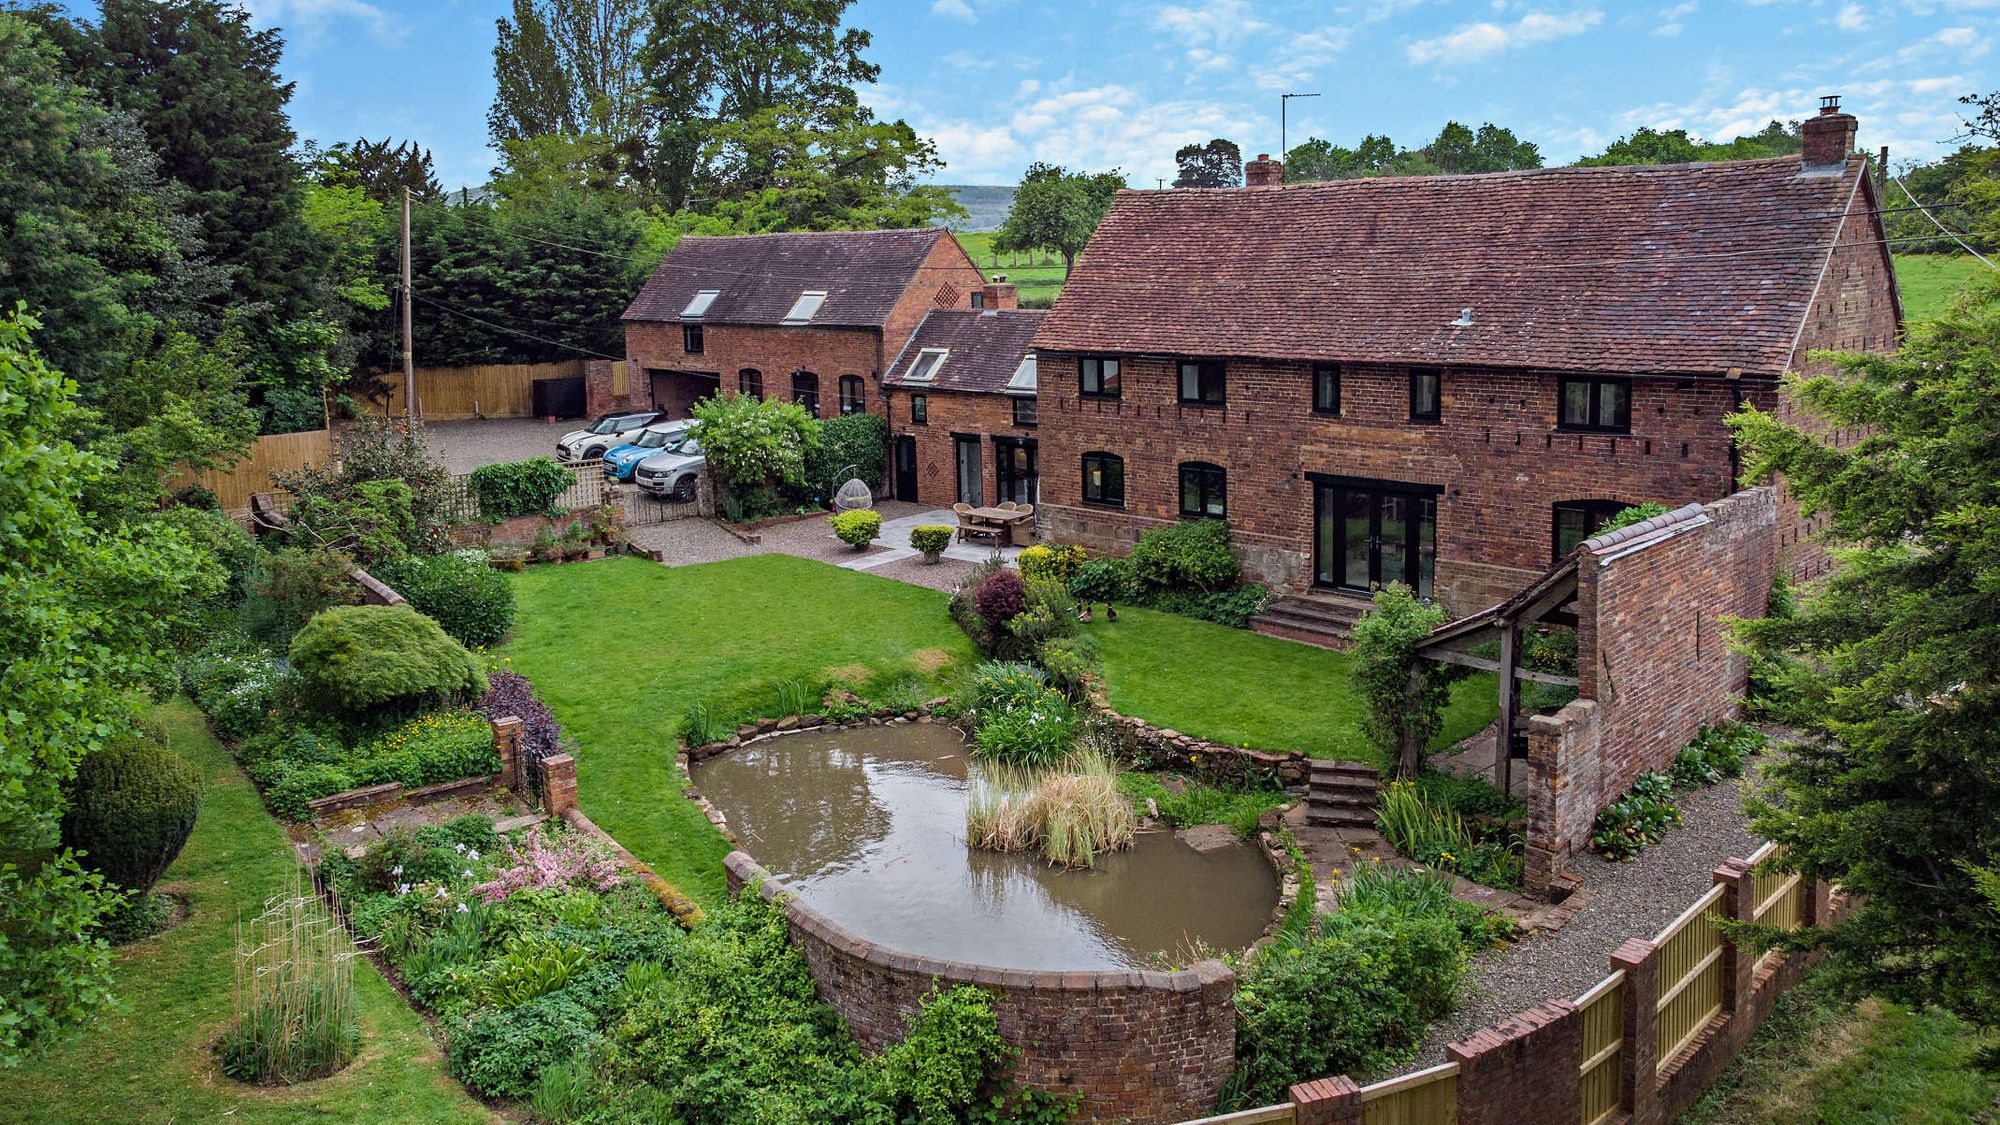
{"x":467,"y":445}
{"x":1632,"y":899}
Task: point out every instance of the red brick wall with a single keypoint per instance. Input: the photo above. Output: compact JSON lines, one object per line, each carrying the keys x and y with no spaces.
{"x":946,"y":280}
{"x":1497,"y":454}
{"x":777,"y":352}
{"x":1653,"y":659}
{"x":1141,"y":1047}
{"x":953,"y":412}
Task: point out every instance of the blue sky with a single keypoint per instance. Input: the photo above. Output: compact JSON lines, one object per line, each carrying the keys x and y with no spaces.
{"x":998,"y":83}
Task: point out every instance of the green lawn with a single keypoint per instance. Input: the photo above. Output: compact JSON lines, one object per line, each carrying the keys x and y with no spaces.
{"x":1039,"y":275}
{"x":155,"y":1061}
{"x":1818,"y":1059}
{"x":620,"y":648}
{"x":1930,"y":281}
{"x":1231,"y":685}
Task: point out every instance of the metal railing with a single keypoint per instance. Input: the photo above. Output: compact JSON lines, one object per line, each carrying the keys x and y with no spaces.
{"x":1602,"y":1012}
{"x":1689,"y":967}
{"x":1427,"y":1097}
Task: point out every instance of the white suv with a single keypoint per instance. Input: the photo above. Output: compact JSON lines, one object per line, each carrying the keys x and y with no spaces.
{"x":673,"y":472}
{"x":607,"y":432}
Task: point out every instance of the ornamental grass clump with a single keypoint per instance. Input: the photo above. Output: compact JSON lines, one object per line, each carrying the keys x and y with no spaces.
{"x":295,"y":1003}
{"x":1071,"y":813}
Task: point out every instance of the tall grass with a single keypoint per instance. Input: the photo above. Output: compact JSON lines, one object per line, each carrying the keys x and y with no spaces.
{"x":1415,"y":826}
{"x":701,"y":726}
{"x":1071,"y":813}
{"x":295,"y":1001}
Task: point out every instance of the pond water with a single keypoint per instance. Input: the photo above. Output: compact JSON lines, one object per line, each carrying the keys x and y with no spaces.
{"x":868,"y":825}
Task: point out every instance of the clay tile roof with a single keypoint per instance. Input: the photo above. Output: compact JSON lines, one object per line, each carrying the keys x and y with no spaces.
{"x":986,"y":347}
{"x":1689,"y":268}
{"x":759,"y":277}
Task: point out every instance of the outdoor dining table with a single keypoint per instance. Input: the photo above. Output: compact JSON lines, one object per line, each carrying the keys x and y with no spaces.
{"x":1007,"y":519}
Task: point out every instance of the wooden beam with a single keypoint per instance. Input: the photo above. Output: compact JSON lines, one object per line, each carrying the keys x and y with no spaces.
{"x":1467,"y":660}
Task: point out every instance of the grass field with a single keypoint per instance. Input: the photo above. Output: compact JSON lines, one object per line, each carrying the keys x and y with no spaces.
{"x":1235,"y":686}
{"x":155,"y":1060}
{"x":1818,"y":1059}
{"x":1930,"y":281}
{"x":1039,"y":275}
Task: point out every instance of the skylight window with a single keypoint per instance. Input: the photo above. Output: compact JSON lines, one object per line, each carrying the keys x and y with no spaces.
{"x":1023,"y":381}
{"x":804,"y":308}
{"x":699,"y":305}
{"x":924,"y":368}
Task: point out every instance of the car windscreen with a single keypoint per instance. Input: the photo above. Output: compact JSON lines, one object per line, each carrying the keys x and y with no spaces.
{"x":607,"y":425}
{"x":651,"y":439}
{"x":688,"y":447}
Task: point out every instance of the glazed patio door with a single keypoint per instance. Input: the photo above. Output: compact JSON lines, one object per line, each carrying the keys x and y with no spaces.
{"x":1367,"y":534}
{"x":1014,"y":468}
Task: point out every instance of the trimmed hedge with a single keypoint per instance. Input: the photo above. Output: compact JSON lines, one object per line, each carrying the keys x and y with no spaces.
{"x":518,"y":488}
{"x":857,"y":528}
{"x":360,"y":658}
{"x":471,"y":600}
{"x":132,"y":807}
{"x":930,"y":539}
{"x":858,"y":440}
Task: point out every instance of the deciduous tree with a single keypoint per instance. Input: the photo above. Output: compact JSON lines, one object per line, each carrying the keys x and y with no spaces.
{"x":1217,"y":164}
{"x":1057,"y":210}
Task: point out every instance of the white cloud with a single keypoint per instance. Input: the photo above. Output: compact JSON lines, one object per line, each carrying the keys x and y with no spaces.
{"x":1668,"y":30}
{"x":1853,"y":17}
{"x":308,"y":21}
{"x":1474,"y":41}
{"x":1209,"y":23}
{"x":953,"y":10}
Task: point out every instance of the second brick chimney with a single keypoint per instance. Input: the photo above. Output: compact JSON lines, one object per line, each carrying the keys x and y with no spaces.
{"x":1828,"y":138}
{"x":999,"y":294}
{"x":1263,"y":171}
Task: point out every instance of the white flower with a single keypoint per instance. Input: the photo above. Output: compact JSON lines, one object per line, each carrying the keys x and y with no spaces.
{"x":442,"y":893}
{"x":396,"y":870}
{"x":402,"y":888}
{"x":464,"y":909}
{"x":468,"y":872}
{"x":459,"y":848}
{"x":472,"y":854}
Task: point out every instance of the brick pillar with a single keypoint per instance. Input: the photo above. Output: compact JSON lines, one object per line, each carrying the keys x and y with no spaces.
{"x":1327,"y":1101}
{"x":1525,"y":1068}
{"x":1739,"y":903}
{"x":1543,"y":855}
{"x":558,"y":784}
{"x":507,"y":740}
{"x":1640,"y":1097}
{"x":1814,"y":898}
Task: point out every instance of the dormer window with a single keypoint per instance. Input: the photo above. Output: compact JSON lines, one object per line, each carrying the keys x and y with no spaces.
{"x":697,"y":306}
{"x":804,"y":308}
{"x":924,"y":368}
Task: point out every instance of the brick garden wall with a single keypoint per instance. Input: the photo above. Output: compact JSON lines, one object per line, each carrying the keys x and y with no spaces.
{"x":1653,"y":659}
{"x":1140,"y":1047}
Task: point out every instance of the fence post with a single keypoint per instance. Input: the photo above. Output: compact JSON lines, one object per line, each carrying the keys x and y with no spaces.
{"x":1739,"y":904}
{"x":1326,"y":1101}
{"x":507,"y":740}
{"x":1527,"y":1067}
{"x":558,"y":784}
{"x":1640,"y":1096}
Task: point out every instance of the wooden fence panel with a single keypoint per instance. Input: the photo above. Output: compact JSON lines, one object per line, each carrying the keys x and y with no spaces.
{"x":1690,"y":974}
{"x":272,"y":452}
{"x":1777,"y":899}
{"x":498,"y":390}
{"x":1427,"y":1097}
{"x":1602,"y":1011}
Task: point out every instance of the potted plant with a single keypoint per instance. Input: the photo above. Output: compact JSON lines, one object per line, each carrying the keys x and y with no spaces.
{"x":545,"y":548}
{"x":857,"y":528}
{"x":507,"y":558}
{"x":930,"y":540}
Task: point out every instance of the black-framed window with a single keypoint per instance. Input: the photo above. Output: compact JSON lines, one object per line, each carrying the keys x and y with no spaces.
{"x":920,"y":410}
{"x":1326,"y":388}
{"x":691,"y":339}
{"x":1024,"y":411}
{"x":1202,"y":382}
{"x":1204,"y":491}
{"x":851,"y":395}
{"x":1104,"y":479}
{"x":1426,"y":394}
{"x":805,"y":391}
{"x":1578,"y":520}
{"x":750,"y":381}
{"x":1595,"y":404}
{"x":1097,"y":377}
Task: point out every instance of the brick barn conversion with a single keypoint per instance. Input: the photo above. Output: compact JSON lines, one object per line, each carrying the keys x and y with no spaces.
{"x":1447,"y":381}
{"x":812,"y":317}
{"x":962,"y":406}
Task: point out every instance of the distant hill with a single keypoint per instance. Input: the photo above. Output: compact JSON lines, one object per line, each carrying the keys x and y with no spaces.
{"x":985,"y":204}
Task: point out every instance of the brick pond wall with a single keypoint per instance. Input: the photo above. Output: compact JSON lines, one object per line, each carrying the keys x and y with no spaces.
{"x":1142,"y":1047}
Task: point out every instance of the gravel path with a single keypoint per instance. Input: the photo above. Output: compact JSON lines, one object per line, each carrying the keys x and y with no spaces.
{"x":1628,"y":900}
{"x":690,"y":541}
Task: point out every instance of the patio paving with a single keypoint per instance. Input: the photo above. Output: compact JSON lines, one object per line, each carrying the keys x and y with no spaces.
{"x":896,"y":536}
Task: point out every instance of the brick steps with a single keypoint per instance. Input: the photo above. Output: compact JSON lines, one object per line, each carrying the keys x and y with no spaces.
{"x":1342,"y":794}
{"x":1324,"y":620}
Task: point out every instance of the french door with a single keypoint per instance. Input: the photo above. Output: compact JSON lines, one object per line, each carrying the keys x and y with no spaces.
{"x":1367,"y":534}
{"x":1014,"y":469}
{"x":971,"y":482}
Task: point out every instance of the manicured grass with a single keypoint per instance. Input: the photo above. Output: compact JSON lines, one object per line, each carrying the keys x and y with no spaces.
{"x":155,"y":1061}
{"x":1038,"y":275}
{"x":1930,"y":281}
{"x":1235,"y":686}
{"x":1819,"y":1059}
{"x":621,"y":648}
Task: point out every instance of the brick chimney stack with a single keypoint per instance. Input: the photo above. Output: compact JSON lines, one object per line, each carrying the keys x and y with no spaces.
{"x":999,"y":294}
{"x":1828,"y":137}
{"x":1263,"y":171}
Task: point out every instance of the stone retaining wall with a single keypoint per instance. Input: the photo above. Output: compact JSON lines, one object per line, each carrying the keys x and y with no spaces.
{"x":1142,"y":1047}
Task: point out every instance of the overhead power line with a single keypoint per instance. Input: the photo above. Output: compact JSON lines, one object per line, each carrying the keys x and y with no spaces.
{"x":1947,"y":230}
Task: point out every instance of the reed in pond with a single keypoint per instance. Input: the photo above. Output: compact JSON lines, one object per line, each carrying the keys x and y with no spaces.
{"x":1071,"y":812}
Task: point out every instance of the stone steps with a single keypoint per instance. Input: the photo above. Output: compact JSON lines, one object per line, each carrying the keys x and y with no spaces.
{"x":1342,"y":794}
{"x":1325,"y":620}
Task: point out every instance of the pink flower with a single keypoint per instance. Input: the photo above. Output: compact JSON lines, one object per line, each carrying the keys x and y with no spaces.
{"x":562,"y":859}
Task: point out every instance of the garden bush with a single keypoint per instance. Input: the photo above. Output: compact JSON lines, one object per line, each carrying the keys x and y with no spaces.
{"x":1071,"y":663}
{"x":850,"y":441}
{"x":518,"y":488}
{"x":511,"y":694}
{"x":1189,"y":555}
{"x":286,"y":588}
{"x":953,"y":1044}
{"x":1102,"y":580}
{"x":858,"y":527}
{"x":132,"y":806}
{"x":1047,"y":613}
{"x":237,"y":685}
{"x":360,"y":659}
{"x":377,"y":449}
{"x":1000,"y":597}
{"x":754,"y":445}
{"x":1233,"y":607}
{"x":930,"y":540}
{"x":500,"y":1053}
{"x":471,"y":601}
{"x":216,"y":535}
{"x":1638,"y":818}
{"x":1003,"y":685}
{"x":1057,"y":561}
{"x":1404,"y":693}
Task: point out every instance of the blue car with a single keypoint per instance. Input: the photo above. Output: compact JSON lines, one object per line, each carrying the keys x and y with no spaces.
{"x":620,"y":461}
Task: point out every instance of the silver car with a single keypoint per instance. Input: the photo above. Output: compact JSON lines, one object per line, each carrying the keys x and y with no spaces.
{"x":611,"y":430}
{"x":673,"y":472}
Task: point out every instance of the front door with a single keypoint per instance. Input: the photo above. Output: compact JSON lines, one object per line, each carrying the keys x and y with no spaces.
{"x":971,"y":482}
{"x":906,"y":467}
{"x":1014,"y":468}
{"x":1367,"y":534}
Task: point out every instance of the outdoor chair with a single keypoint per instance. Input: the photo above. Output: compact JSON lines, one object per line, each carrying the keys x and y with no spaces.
{"x":1006,"y":505}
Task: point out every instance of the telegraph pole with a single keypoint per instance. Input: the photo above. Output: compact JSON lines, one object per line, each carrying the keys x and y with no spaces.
{"x":1284,"y":146}
{"x":409,"y":356}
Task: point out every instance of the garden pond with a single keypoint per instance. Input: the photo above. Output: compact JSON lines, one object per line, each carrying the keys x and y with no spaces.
{"x":868,"y":825}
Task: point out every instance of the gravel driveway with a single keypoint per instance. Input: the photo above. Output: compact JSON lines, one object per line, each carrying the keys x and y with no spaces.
{"x":467,"y":445}
{"x":1632,"y":899}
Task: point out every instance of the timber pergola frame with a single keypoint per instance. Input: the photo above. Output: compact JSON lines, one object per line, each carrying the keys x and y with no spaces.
{"x":1549,"y":600}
